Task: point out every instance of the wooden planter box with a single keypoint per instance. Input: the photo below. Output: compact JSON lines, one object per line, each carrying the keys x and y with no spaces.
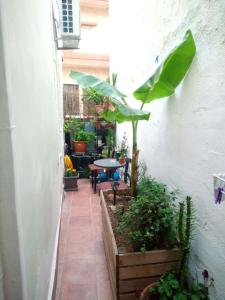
{"x":130,"y":273}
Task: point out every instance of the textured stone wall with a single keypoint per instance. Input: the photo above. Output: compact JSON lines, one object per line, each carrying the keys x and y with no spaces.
{"x":184,"y":141}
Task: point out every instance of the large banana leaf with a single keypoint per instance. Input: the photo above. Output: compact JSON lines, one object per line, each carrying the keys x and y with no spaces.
{"x":170,"y":73}
{"x":101,"y":86}
{"x":121,"y":112}
{"x":124,"y":113}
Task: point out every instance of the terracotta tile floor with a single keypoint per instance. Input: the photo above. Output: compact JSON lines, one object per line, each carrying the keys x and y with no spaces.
{"x":82,"y":271}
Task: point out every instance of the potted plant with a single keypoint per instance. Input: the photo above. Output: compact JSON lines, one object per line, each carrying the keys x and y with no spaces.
{"x":80,"y":136}
{"x":71,"y":175}
{"x":174,"y":284}
{"x":91,"y":95}
{"x":80,"y":140}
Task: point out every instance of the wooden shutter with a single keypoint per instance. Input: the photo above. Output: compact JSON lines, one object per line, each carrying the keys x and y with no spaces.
{"x":71,"y":99}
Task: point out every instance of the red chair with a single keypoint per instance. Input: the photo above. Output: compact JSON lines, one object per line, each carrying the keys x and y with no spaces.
{"x":94,"y":174}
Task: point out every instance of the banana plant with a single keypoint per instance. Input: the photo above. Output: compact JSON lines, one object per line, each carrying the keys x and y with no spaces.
{"x":159,"y":85}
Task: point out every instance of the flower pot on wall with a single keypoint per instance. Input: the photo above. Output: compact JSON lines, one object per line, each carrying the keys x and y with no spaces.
{"x":80,"y":146}
{"x":70,"y":183}
{"x":99,"y":108}
{"x":122,"y":161}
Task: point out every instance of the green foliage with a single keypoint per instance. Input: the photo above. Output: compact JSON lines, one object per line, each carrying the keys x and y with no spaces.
{"x":110,"y":140}
{"x":170,"y":73}
{"x":68,"y":124}
{"x":101,"y":86}
{"x":77,"y":129}
{"x":91,"y":95}
{"x":150,"y":222}
{"x":71,"y":173}
{"x":173,"y":285}
{"x":120,"y":112}
{"x":185,"y":232}
{"x":170,"y":288}
{"x":82,"y":135}
{"x":161,"y":84}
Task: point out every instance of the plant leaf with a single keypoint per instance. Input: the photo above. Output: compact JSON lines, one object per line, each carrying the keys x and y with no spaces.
{"x":170,"y":73}
{"x":101,"y":86}
{"x":124,"y":113}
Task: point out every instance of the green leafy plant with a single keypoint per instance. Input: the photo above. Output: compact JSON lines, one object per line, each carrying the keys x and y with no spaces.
{"x":174,"y":284}
{"x":150,"y":222}
{"x":93,"y":96}
{"x":68,"y":124}
{"x":78,"y":132}
{"x":185,"y":232}
{"x":170,"y":288}
{"x":161,"y":84}
{"x":110,"y":140}
{"x":71,"y":173}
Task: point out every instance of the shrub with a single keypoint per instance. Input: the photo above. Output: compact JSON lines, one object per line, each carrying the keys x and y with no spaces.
{"x":170,"y":288}
{"x":150,"y":221}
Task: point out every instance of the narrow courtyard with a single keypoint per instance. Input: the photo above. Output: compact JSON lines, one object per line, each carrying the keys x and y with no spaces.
{"x":82,"y":271}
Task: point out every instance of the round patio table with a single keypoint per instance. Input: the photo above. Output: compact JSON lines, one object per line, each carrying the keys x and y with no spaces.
{"x":106,"y":163}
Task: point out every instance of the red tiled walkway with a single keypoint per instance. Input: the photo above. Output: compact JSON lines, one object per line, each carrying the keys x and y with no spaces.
{"x":82,"y":270}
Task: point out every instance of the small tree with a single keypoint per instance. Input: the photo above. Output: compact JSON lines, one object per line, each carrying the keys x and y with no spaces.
{"x":161,"y":84}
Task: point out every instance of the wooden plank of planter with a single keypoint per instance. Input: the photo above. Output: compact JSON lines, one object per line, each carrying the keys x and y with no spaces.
{"x":146,"y":270}
{"x":154,"y":256}
{"x":110,"y":249}
{"x":129,"y":296}
{"x":131,"y":272}
{"x":112,"y":273}
{"x":139,"y":284}
{"x":111,"y":259}
{"x":108,"y":230}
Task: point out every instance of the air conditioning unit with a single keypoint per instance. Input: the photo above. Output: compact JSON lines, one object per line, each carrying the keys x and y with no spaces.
{"x":67,"y":23}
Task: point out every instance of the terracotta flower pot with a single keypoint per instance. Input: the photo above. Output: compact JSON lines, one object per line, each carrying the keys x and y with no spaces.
{"x":145,"y":293}
{"x":122,"y":161}
{"x":80,"y":146}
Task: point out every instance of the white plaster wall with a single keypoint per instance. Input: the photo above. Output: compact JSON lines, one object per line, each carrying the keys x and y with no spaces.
{"x":31,"y":150}
{"x":183,"y":143}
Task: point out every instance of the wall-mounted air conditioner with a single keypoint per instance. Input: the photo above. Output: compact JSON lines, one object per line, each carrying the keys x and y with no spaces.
{"x":67,"y":23}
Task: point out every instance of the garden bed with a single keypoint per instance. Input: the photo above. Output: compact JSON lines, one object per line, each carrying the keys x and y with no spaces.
{"x":130,"y":272}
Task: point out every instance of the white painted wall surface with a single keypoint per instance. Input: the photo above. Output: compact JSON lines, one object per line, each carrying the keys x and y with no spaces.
{"x":183,"y":143}
{"x":31,"y":151}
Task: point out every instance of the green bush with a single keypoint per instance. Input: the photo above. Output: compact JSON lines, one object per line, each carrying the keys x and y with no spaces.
{"x":150,"y":222}
{"x":91,"y":95}
{"x":170,"y":288}
{"x":76,"y":127}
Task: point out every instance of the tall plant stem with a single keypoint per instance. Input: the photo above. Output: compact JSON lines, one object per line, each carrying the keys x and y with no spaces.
{"x":135,"y":155}
{"x":134,"y":163}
